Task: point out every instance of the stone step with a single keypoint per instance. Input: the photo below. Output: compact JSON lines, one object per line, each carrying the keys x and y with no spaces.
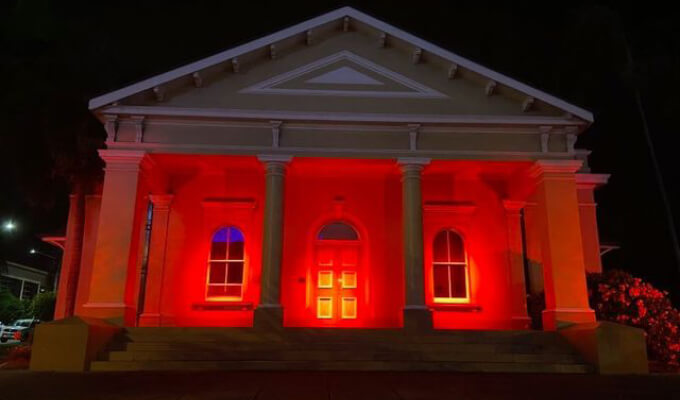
{"x":340,"y":366}
{"x":385,"y":347}
{"x":241,"y":335}
{"x":339,"y":355}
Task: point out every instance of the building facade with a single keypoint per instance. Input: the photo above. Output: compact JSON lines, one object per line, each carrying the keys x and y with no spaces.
{"x":22,"y":281}
{"x":339,"y":173}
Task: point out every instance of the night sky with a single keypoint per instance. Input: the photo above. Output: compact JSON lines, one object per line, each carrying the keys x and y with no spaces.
{"x":56,"y":55}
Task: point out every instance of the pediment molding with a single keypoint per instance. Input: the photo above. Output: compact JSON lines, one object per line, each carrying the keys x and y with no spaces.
{"x":274,"y":84}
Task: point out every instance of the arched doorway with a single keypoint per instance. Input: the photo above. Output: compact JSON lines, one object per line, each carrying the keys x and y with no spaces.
{"x":337,"y":278}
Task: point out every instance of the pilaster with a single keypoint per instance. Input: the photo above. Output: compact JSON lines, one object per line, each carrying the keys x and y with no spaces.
{"x":153,"y":293}
{"x":114,"y":235}
{"x":566,"y":294}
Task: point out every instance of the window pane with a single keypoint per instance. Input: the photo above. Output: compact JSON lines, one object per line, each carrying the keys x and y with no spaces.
{"x":441,"y":247}
{"x":233,"y":291}
{"x":218,"y":251}
{"x":457,"y":252}
{"x":338,"y":231}
{"x":458,"y":281}
{"x":235,"y":235}
{"x":235,"y":274}
{"x":12,"y":285}
{"x":217,"y":272}
{"x":30,"y":290}
{"x":235,"y":251}
{"x":441,"y":281}
{"x":217,"y":291}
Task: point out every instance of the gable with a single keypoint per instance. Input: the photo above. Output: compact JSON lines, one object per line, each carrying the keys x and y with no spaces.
{"x":399,"y":86}
{"x":343,"y":61}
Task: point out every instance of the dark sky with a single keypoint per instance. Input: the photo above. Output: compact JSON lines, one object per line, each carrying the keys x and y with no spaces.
{"x":56,"y":55}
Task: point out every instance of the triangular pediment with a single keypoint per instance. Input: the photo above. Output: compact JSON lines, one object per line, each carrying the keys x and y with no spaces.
{"x":341,"y":62}
{"x":343,"y":74}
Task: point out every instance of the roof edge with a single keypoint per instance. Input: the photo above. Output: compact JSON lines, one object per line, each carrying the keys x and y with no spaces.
{"x":223,"y":56}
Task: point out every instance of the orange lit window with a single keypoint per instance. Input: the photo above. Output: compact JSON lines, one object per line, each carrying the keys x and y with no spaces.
{"x":325,"y":279}
{"x":450,"y":269}
{"x":225,"y":269}
{"x":349,"y":307}
{"x":324,"y":307}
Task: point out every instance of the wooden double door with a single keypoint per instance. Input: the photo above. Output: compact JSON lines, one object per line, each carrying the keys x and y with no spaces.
{"x":337,"y":283}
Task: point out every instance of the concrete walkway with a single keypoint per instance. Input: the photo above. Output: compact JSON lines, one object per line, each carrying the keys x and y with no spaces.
{"x":15,"y":385}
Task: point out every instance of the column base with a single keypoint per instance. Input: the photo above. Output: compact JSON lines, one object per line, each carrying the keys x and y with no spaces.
{"x":417,"y":319}
{"x":558,"y":318}
{"x":520,"y":322}
{"x":116,"y":313}
{"x":268,"y":317}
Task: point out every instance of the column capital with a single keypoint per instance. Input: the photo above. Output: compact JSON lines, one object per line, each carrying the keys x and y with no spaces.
{"x":122,"y":160}
{"x":161,"y":201}
{"x":542,"y":168}
{"x":413,"y":161}
{"x":411,"y":167}
{"x":591,"y":181}
{"x":274,"y":158}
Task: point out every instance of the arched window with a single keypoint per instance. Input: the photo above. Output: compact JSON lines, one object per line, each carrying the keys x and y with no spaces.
{"x":450,"y":268}
{"x":225,"y":269}
{"x":337,"y":231}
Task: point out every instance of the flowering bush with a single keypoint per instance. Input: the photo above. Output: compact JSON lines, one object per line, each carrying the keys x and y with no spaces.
{"x":617,"y":296}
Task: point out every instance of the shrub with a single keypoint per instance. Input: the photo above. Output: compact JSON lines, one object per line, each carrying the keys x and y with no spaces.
{"x":617,"y":296}
{"x":11,"y":308}
{"x":42,"y":306}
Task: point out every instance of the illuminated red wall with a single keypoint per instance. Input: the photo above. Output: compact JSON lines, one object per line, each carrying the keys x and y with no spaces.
{"x":216,"y":191}
{"x":229,"y":184}
{"x":371,"y":202}
{"x":467,"y":197}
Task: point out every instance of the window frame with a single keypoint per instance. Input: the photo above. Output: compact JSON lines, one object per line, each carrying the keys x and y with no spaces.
{"x":227,"y":261}
{"x":465,"y":263}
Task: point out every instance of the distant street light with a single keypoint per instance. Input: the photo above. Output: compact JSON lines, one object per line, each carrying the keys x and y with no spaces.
{"x":55,"y":266}
{"x":9,"y":226}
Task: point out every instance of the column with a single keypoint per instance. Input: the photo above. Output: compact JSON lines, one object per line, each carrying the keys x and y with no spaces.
{"x":155,"y":271}
{"x":269,"y":313}
{"x":114,"y":236}
{"x":416,"y":314}
{"x":586,"y":185}
{"x":70,"y":269}
{"x":518,"y":297}
{"x":566,"y":294}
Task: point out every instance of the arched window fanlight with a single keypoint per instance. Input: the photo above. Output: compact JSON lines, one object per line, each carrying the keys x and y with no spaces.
{"x":337,"y":231}
{"x":225,"y":269}
{"x":450,"y":268}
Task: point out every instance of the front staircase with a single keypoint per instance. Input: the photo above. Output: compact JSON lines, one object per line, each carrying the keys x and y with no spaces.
{"x":338,"y":349}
